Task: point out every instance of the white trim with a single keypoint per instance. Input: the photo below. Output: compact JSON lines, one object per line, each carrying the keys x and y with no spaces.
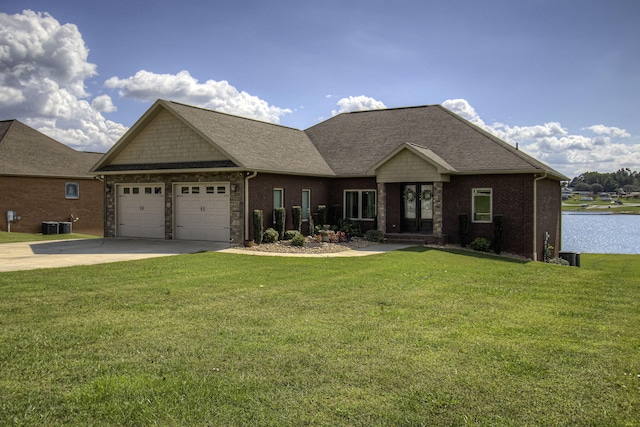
{"x":360,"y":206}
{"x":303,"y":219}
{"x":473,"y":205}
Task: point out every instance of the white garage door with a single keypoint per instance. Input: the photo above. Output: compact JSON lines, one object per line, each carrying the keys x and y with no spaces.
{"x":202,"y":211}
{"x":140,"y":210}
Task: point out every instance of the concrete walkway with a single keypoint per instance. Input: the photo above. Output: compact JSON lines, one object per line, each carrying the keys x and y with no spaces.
{"x":65,"y":253}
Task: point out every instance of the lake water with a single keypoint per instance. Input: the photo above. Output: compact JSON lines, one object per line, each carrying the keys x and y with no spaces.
{"x":600,"y":233}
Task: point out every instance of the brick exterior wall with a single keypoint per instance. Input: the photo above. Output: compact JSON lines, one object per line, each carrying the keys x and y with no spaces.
{"x":324,"y":191}
{"x":236,"y":198}
{"x":513,"y":198}
{"x":548,"y":207}
{"x":37,"y":200}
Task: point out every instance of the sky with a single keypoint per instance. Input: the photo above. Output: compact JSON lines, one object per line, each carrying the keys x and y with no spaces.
{"x":560,"y":78}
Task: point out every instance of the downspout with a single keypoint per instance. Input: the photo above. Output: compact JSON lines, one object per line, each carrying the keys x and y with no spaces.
{"x":247,"y":177}
{"x":535,"y":215}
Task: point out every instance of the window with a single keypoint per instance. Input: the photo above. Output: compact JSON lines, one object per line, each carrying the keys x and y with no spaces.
{"x":278,"y":198}
{"x":71,"y":190}
{"x":306,"y":203}
{"x":482,"y":204}
{"x":360,"y":204}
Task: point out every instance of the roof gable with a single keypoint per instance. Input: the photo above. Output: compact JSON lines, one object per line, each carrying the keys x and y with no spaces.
{"x":26,"y":152}
{"x":247,"y":143}
{"x":166,"y":139}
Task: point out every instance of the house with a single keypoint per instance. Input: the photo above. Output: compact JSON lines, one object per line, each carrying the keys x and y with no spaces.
{"x":42,"y":180}
{"x":183,"y":172}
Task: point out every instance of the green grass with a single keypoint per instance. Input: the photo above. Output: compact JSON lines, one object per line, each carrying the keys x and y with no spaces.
{"x":629,"y":206}
{"x":37,"y":237}
{"x":414,"y":337}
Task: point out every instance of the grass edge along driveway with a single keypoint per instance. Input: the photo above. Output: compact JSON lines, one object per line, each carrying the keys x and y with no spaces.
{"x":413,"y":337}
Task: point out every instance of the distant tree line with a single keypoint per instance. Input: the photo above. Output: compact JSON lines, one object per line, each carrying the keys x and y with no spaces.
{"x":596,"y":182}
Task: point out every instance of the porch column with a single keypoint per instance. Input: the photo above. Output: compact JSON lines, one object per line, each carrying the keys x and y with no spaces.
{"x":437,"y":209}
{"x":382,"y":207}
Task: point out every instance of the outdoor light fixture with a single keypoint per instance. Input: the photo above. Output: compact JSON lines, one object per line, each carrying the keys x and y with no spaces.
{"x":233,"y":188}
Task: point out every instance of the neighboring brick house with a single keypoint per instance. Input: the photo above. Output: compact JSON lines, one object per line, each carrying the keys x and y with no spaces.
{"x":183,"y":172}
{"x":44,"y":180}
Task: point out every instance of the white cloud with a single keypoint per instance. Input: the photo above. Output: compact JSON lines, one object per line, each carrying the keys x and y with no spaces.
{"x":104,"y":104}
{"x":182,"y":87}
{"x":43,"y":68}
{"x":357,"y":103}
{"x":569,"y":153}
{"x":610,"y":131}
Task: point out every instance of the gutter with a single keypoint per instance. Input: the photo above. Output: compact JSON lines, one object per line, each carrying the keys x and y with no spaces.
{"x":247,"y":177}
{"x":535,"y":215}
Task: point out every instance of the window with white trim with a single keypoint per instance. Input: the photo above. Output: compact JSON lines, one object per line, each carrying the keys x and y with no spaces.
{"x":305,"y":204}
{"x":482,"y":204}
{"x":360,"y":204}
{"x":278,"y":198}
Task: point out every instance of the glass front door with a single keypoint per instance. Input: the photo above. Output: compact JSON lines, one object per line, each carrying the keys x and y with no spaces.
{"x":417,"y":208}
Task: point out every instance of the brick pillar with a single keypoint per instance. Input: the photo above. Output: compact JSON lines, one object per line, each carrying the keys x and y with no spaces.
{"x":382,"y":207}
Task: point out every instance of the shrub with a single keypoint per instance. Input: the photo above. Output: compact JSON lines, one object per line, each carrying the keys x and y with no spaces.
{"x":298,"y":240}
{"x":350,"y":228}
{"x":480,"y":244}
{"x":270,"y":236}
{"x":281,"y":215}
{"x":290,"y":234}
{"x":296,"y":216}
{"x":559,"y":261}
{"x":257,"y":226}
{"x":322,"y":214}
{"x":498,"y":233}
{"x":374,"y":236}
{"x":312,"y":228}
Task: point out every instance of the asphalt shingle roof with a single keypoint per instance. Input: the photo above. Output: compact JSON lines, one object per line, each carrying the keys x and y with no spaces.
{"x":354,"y":142}
{"x":349,"y":144}
{"x":26,"y":152}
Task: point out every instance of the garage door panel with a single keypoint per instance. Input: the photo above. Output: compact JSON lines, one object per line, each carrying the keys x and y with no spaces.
{"x":140,"y":210}
{"x":203,"y":211}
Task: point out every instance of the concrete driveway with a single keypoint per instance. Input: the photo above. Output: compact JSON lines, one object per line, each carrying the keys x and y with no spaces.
{"x":64,"y":253}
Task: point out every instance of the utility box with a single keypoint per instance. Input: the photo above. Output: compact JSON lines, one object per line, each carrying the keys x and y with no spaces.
{"x":49,"y":227}
{"x":572,"y":258}
{"x":64,"y":228}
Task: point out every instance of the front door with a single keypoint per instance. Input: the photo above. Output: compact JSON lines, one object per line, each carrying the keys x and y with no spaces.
{"x":417,"y":208}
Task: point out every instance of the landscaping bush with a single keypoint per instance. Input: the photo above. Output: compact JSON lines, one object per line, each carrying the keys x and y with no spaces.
{"x":481,"y":244}
{"x":258,"y":226}
{"x":559,"y":261}
{"x":281,"y":215}
{"x":374,"y":236}
{"x":270,"y":236}
{"x":290,"y":234}
{"x":322,"y":214}
{"x":350,"y":228}
{"x":298,"y":240}
{"x":312,"y":228}
{"x":296,"y":216}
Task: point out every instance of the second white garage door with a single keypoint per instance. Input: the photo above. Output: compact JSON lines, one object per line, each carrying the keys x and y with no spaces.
{"x":202,"y":211}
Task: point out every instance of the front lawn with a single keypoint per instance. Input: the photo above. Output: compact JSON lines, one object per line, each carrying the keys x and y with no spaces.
{"x":414,"y":337}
